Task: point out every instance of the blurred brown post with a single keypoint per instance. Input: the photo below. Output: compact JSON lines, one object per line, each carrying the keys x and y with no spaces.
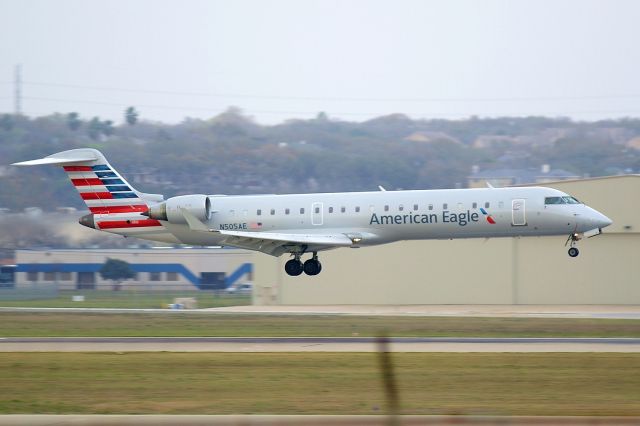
{"x":389,"y":380}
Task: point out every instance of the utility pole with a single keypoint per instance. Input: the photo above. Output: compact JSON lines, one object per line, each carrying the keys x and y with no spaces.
{"x":18,"y":89}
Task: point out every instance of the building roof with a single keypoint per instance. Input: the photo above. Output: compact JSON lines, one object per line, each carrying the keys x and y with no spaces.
{"x":522,"y":176}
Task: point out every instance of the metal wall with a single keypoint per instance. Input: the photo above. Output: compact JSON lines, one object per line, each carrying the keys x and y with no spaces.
{"x":533,"y":270}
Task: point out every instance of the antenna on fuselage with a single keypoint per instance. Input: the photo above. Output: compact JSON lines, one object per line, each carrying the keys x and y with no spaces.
{"x":489,"y":185}
{"x":381,"y":188}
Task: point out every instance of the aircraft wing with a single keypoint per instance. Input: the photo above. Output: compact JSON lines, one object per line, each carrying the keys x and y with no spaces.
{"x":277,"y":243}
{"x":273,"y":243}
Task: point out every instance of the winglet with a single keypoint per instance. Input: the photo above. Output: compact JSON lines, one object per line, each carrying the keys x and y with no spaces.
{"x":194,"y":223}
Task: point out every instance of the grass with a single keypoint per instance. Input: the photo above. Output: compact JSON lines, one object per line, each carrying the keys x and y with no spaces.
{"x":128,"y":299}
{"x":319,"y":383}
{"x":39,"y":324}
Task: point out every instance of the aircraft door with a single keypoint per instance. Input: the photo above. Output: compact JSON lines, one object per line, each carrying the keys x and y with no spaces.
{"x":518,"y":212}
{"x":316,"y":214}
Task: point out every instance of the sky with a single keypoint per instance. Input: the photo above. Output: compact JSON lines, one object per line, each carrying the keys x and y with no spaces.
{"x":353,"y":59}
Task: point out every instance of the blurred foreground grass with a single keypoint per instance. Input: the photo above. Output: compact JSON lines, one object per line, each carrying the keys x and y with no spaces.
{"x":319,"y":383}
{"x":176,"y":323}
{"x":128,"y":299}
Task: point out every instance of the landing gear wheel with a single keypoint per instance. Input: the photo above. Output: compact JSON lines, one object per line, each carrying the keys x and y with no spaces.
{"x":293,"y":267}
{"x":312,"y":267}
{"x":573,"y":252}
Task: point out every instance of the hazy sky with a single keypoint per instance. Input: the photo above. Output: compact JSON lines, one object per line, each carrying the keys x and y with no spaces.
{"x":353,"y":59}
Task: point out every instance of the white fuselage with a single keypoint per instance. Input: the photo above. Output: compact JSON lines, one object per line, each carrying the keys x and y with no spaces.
{"x":386,"y":216}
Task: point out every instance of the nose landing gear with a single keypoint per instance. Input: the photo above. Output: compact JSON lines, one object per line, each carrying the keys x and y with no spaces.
{"x":295,"y":267}
{"x":572,"y":240}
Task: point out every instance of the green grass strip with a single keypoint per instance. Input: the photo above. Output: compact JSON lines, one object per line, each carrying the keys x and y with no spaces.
{"x":319,"y":383}
{"x":61,"y":324}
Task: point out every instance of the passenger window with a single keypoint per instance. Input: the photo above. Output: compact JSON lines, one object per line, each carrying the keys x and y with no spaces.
{"x":259,"y":212}
{"x":302,"y":210}
{"x":358,"y":209}
{"x":401,"y":207}
{"x":245,"y":213}
{"x":386,"y":208}
{"x":460,"y":207}
{"x":317,"y":210}
{"x":444,"y":206}
{"x":232,"y":213}
{"x":343,"y":209}
{"x":430,"y":206}
{"x":415,"y":207}
{"x":372,"y":208}
{"x":486,"y":205}
{"x":501,"y":204}
{"x":286,"y":211}
{"x":330,"y":209}
{"x":273,"y":211}
{"x":475,"y":205}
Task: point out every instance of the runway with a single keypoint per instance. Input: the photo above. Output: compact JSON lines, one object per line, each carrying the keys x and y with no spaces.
{"x":314,"y":344}
{"x":630,"y":312}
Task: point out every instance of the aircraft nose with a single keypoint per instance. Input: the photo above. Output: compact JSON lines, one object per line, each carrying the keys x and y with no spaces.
{"x":600,"y":220}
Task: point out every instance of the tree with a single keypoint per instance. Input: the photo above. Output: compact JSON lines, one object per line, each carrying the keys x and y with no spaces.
{"x":107,"y":127}
{"x":95,"y":127}
{"x":116,"y":270}
{"x":131,"y":116}
{"x":73,"y":121}
{"x":7,"y":122}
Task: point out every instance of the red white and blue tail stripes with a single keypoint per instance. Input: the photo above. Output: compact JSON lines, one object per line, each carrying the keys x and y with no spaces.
{"x":110,"y":197}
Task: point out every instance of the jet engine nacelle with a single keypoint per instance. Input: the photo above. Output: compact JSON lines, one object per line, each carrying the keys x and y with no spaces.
{"x":171,"y":210}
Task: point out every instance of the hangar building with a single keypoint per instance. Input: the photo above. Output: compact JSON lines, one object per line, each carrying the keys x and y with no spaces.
{"x":534,"y":270}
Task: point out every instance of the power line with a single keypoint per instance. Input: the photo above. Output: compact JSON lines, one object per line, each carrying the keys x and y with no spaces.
{"x":340,"y":99}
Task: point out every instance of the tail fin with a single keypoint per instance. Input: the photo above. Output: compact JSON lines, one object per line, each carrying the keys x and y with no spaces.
{"x":102,"y":188}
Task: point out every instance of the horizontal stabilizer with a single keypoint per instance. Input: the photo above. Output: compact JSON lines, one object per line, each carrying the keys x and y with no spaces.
{"x":57,"y":160}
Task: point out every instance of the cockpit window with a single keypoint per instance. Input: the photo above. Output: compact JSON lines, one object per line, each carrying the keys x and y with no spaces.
{"x":571,"y":200}
{"x":553,"y":200}
{"x":561,"y":200}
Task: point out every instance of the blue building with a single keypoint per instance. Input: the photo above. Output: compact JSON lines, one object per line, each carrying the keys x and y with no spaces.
{"x":161,"y":268}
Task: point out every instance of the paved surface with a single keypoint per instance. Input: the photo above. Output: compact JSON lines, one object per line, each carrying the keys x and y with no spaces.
{"x":314,"y":344}
{"x":507,"y":311}
{"x":274,"y":420}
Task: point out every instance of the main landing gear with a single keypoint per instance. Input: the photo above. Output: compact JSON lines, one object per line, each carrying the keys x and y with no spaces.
{"x":295,"y":267}
{"x":573,"y":238}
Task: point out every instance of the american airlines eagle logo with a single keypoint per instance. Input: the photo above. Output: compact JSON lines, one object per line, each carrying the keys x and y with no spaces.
{"x":488,"y":216}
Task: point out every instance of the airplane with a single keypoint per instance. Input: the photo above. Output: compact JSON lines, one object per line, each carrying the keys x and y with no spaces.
{"x":298,"y":224}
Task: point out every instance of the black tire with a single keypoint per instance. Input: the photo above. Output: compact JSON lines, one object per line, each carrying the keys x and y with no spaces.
{"x":293,"y":267}
{"x":312,"y":267}
{"x":573,"y":252}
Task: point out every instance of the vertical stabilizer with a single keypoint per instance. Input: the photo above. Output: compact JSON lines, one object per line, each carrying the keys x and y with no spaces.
{"x":101,"y":187}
